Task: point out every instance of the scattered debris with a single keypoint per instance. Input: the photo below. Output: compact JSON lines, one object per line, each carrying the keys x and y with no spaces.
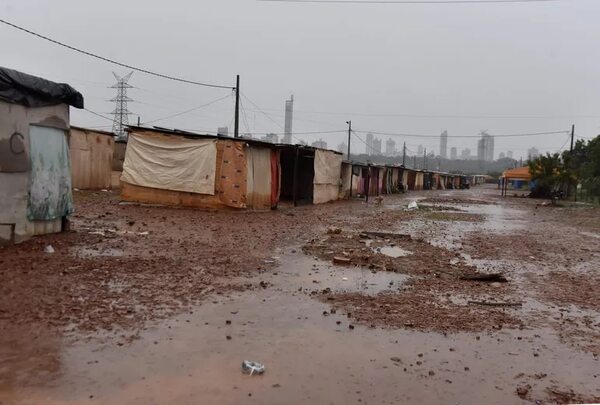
{"x":385,"y":235}
{"x":252,"y":367}
{"x":49,"y":249}
{"x":334,"y":231}
{"x":341,"y":260}
{"x":523,"y":390}
{"x":496,"y":304}
{"x":487,"y":278}
{"x":413,"y":206}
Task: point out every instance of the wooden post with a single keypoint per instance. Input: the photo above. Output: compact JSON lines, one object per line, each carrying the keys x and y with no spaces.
{"x":351,"y":174}
{"x":368,"y":182}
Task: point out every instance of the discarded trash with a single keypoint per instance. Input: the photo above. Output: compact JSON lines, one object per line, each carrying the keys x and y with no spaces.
{"x":252,"y":367}
{"x":496,"y":304}
{"x":49,"y":249}
{"x":488,"y":278}
{"x":341,"y":260}
{"x":413,"y":206}
{"x":344,"y":278}
{"x":101,"y":233}
{"x":522,"y":391}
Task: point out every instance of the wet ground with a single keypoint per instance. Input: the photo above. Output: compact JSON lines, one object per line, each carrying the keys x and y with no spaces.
{"x":148,"y":305}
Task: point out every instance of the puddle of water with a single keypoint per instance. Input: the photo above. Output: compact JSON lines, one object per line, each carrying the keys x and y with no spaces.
{"x":393,"y":251}
{"x":302,"y":272}
{"x":309,"y":358}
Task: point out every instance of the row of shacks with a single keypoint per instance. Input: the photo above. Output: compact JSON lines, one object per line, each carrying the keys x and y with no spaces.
{"x":172,"y":167}
{"x":43,"y":157}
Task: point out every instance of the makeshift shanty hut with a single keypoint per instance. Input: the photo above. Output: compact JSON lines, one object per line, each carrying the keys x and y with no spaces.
{"x":419,"y":180}
{"x":309,"y":175}
{"x":35,"y":173}
{"x":117,"y":162}
{"x":91,"y":158}
{"x":428,"y":183}
{"x":391,"y":178}
{"x":516,"y":177}
{"x":181,"y":168}
{"x":411,"y":177}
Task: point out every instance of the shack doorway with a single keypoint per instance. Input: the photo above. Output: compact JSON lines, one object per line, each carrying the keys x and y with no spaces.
{"x":297,"y":175}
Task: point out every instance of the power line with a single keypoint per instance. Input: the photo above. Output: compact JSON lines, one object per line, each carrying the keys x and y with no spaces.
{"x":99,"y":115}
{"x":244,"y":117}
{"x":408,"y":1}
{"x":449,"y":116}
{"x":464,"y":136}
{"x":93,"y":55}
{"x":187,"y":111}
{"x":262,"y":112}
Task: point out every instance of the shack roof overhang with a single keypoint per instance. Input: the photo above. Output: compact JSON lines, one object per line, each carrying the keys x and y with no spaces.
{"x":302,"y":147}
{"x":33,"y":91}
{"x":188,"y":134}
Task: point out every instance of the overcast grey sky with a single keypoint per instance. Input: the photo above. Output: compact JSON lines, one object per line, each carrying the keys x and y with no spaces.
{"x":505,"y":68}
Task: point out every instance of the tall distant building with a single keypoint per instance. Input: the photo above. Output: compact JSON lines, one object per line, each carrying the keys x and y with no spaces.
{"x":319,"y":144}
{"x":485,"y":147}
{"x":509,"y":154}
{"x":273,"y":138}
{"x":420,"y":150}
{"x":501,"y":155}
{"x":453,"y":153}
{"x":390,"y":147}
{"x":369,"y":144}
{"x":444,"y":145}
{"x":465,"y":154}
{"x":533,"y":153}
{"x":223,"y":131}
{"x":289,"y":115}
{"x":377,"y":146}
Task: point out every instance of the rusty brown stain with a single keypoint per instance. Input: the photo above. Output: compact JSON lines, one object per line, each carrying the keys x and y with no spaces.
{"x":53,"y":122}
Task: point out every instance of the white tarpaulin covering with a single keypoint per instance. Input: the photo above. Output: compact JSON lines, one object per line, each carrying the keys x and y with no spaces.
{"x":328,"y":168}
{"x":171,"y":163}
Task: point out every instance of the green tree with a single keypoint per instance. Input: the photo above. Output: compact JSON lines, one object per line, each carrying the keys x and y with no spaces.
{"x":548,"y":173}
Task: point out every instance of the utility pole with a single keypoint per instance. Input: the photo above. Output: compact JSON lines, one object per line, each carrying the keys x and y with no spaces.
{"x":572,"y":136}
{"x":571,"y":163}
{"x":404,"y":154}
{"x":415,"y":162}
{"x":236,"y":131}
{"x":349,"y":133}
{"x":425,"y":158}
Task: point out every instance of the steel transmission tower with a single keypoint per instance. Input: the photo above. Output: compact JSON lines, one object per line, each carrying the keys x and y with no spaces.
{"x":121,"y":113}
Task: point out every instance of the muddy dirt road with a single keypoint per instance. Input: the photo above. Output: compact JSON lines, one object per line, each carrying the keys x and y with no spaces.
{"x":343,"y":303}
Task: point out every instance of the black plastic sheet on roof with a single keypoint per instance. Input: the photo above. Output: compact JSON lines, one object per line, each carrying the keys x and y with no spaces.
{"x":32,"y":91}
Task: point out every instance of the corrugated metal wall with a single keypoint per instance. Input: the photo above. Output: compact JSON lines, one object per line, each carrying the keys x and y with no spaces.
{"x":91,"y":159}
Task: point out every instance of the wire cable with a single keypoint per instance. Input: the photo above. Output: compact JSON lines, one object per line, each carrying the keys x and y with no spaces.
{"x":93,"y":55}
{"x":407,"y":1}
{"x":187,"y":111}
{"x":465,"y":136}
{"x":98,"y":114}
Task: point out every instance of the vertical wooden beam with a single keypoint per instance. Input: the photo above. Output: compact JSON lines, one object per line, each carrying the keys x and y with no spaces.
{"x":295,"y":186}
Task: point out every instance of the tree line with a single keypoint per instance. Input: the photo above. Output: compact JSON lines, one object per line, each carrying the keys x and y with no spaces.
{"x":574,"y":173}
